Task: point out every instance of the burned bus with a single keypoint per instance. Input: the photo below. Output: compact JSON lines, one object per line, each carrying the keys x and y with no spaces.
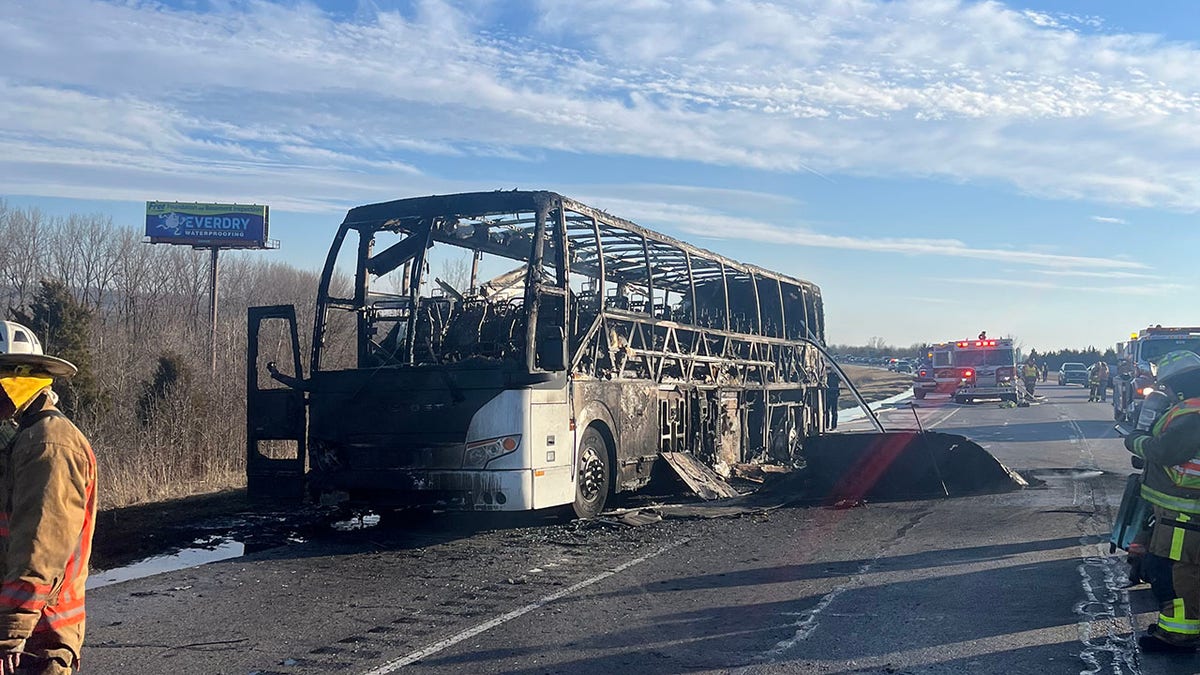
{"x":557,"y":384}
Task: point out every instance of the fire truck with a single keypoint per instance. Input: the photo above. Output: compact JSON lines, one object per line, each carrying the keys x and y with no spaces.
{"x":986,"y":368}
{"x":1136,"y":359}
{"x":936,"y":373}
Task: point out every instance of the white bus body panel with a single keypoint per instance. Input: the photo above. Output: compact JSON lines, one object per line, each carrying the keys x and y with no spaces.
{"x":541,"y":468}
{"x":552,"y":445}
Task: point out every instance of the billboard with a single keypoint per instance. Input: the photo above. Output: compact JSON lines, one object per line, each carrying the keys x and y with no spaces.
{"x":204,"y":225}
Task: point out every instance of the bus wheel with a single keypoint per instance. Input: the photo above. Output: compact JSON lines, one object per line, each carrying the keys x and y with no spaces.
{"x":593,"y":471}
{"x":919,"y":394}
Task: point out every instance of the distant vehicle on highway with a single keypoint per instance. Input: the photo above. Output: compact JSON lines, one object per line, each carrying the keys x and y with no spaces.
{"x":935,"y":373}
{"x":987,"y":369}
{"x":1073,"y":373}
{"x":1135,"y":376}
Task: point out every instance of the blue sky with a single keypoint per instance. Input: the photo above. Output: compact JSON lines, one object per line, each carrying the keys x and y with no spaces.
{"x":937,"y":167}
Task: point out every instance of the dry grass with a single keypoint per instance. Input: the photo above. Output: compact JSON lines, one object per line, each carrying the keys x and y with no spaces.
{"x":875,"y":384}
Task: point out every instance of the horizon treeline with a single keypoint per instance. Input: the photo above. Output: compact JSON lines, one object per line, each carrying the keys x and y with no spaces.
{"x":877,"y":347}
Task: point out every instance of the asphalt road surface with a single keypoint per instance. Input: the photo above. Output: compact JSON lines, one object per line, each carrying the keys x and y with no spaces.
{"x":1013,"y":583}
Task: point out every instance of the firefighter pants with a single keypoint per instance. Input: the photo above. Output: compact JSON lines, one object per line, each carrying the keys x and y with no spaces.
{"x":1094,"y":392}
{"x":831,"y":411}
{"x":1179,"y":608}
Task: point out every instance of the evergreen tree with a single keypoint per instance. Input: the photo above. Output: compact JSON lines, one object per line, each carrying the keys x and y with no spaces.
{"x":64,"y":327}
{"x":171,"y":372}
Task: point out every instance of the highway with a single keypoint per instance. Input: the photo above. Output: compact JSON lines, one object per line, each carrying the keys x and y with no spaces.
{"x":1020,"y":582}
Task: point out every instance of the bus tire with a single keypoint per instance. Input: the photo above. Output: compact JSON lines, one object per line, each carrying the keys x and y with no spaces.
{"x":961,"y":400}
{"x":594,"y":472}
{"x":919,"y":394}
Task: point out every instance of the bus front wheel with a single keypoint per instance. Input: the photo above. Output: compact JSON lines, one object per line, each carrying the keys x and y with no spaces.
{"x":593,"y":472}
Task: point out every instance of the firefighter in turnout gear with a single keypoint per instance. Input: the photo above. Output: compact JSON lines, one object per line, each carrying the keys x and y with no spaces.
{"x":1098,"y":381}
{"x":1029,"y":373}
{"x":48,"y":502}
{"x":1171,"y":483}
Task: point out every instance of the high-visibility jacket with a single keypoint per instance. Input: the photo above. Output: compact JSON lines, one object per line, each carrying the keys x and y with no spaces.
{"x":1030,"y":370}
{"x":47,"y":516}
{"x":1172,"y":453}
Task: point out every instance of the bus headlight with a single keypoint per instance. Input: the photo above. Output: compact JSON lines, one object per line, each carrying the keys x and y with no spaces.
{"x":479,"y":453}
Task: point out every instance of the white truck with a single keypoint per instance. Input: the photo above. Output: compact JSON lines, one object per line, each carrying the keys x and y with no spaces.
{"x":1136,"y":359}
{"x":986,"y":369}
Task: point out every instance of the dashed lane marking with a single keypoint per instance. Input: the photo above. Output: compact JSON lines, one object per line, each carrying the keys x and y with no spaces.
{"x":426,"y":652}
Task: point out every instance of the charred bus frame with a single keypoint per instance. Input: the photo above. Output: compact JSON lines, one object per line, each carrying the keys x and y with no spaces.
{"x":623,"y":343}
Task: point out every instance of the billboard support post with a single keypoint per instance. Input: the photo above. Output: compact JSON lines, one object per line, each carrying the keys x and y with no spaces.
{"x":212,"y":311}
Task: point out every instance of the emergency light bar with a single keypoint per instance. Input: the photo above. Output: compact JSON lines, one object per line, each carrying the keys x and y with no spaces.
{"x":1160,"y":330}
{"x":976,"y":343}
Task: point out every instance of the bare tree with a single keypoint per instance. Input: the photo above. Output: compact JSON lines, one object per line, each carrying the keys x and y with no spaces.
{"x":456,"y":271}
{"x":25,"y":240}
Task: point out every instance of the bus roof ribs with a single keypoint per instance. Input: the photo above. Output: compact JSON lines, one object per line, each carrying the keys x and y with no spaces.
{"x":404,"y":215}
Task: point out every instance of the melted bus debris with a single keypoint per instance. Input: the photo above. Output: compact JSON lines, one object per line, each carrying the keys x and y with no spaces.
{"x":558,"y":383}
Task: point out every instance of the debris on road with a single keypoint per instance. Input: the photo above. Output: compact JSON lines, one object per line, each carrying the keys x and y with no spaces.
{"x":705,"y":482}
{"x":757,"y":473}
{"x":902,"y":465}
{"x":640,"y":517}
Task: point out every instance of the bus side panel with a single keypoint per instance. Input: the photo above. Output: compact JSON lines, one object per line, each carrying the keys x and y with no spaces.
{"x":632,"y":408}
{"x":552,"y":448}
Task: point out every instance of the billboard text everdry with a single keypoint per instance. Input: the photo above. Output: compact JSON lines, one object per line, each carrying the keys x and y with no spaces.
{"x":222,"y":225}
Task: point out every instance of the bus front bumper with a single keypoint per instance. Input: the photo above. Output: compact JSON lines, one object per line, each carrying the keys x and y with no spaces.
{"x":434,"y":488}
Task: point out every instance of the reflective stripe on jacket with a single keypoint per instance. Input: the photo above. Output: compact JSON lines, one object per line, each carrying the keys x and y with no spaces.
{"x":48,"y":497}
{"x":1172,"y":453}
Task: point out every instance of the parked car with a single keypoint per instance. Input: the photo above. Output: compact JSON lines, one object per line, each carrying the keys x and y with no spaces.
{"x":1073,"y":373}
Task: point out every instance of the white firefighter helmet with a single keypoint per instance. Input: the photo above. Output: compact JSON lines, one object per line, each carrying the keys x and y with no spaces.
{"x":21,"y":352}
{"x":1177,"y":363}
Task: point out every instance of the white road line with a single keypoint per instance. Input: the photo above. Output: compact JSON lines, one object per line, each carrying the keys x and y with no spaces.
{"x":393,"y":666}
{"x":1107,"y":628}
{"x":808,"y":623}
{"x":948,"y":416}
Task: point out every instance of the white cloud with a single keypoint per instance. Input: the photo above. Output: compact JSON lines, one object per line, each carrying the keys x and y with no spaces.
{"x":1106,"y":274}
{"x":946,"y":89}
{"x":1150,"y":289}
{"x":1109,"y":220}
{"x":699,"y":222}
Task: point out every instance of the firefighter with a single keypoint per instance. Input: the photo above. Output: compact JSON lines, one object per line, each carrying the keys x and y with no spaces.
{"x":1171,"y":483}
{"x":1098,"y":379}
{"x":833,"y":390}
{"x":48,"y":497}
{"x":1029,"y":373}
